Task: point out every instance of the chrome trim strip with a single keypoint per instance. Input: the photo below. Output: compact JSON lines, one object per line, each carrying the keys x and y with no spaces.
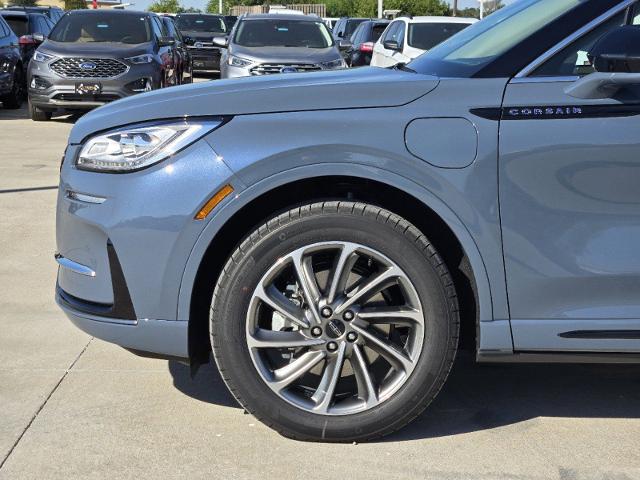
{"x":81,"y":197}
{"x":574,"y":36}
{"x":74,"y":266}
{"x":544,"y":79}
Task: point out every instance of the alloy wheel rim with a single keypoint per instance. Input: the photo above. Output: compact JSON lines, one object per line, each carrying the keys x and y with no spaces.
{"x":335,"y":328}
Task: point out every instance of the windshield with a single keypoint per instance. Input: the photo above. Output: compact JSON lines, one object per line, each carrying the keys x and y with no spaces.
{"x":475,"y":47}
{"x":425,"y":36}
{"x":201,"y":23}
{"x":19,"y":25}
{"x":283,"y":33}
{"x":102,"y":27}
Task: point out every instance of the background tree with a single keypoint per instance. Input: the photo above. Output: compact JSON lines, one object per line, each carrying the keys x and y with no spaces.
{"x":469,"y":12}
{"x":75,"y":4}
{"x":165,"y":6}
{"x":491,"y":6}
{"x":23,"y":3}
{"x":190,"y":10}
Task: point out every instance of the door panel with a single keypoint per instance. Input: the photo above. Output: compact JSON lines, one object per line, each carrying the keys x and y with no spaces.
{"x":570,"y":211}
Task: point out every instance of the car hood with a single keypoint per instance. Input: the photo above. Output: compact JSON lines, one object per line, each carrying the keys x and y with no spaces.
{"x":327,"y":90}
{"x":286,"y":54}
{"x":98,"y":49}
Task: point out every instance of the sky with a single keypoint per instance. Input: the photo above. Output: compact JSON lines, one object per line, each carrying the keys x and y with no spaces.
{"x":143,"y":4}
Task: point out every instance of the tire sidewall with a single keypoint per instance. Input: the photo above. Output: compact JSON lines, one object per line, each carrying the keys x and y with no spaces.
{"x":234,"y":293}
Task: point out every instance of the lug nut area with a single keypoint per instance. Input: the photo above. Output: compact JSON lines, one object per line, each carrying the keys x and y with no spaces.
{"x":326,"y":312}
{"x":348,"y":315}
{"x":352,"y":336}
{"x":332,"y":346}
{"x":316,"y":331}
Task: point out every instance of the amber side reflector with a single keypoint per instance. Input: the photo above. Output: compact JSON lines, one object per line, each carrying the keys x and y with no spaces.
{"x":213,"y":202}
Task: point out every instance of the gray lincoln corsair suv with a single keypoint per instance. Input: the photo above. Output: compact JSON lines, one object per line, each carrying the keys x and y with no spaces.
{"x":95,"y":56}
{"x":332,"y":236}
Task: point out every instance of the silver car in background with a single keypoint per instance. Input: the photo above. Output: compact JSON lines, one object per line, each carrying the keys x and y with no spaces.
{"x":266,"y":44}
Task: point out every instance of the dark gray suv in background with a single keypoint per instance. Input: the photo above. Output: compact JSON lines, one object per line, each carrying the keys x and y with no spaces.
{"x":266,"y":44}
{"x":95,"y":57}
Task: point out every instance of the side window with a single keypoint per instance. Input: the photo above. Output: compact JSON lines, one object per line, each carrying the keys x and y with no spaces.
{"x":391,"y":32}
{"x":573,"y":60}
{"x":339,"y":28}
{"x":356,"y":34}
{"x":400,"y":34}
{"x":49,"y":26}
{"x":42,"y":27}
{"x":3,"y":30}
{"x":157,"y":28}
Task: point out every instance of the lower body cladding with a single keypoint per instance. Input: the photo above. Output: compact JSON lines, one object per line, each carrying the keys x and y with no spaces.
{"x":205,"y":59}
{"x":50,"y":92}
{"x":113,"y":281}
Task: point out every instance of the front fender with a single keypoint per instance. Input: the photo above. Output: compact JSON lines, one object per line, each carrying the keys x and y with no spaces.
{"x":430,"y":200}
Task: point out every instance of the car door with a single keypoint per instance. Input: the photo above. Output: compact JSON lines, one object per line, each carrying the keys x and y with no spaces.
{"x":166,"y":52}
{"x":382,"y":56}
{"x":569,"y":177}
{"x":356,"y":40}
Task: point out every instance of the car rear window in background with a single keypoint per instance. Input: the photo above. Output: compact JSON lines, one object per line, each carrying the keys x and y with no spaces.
{"x":425,"y":36}
{"x":102,"y":27}
{"x":352,"y":24}
{"x":283,"y":33}
{"x":19,"y":25}
{"x":201,"y":23}
{"x":377,"y":31}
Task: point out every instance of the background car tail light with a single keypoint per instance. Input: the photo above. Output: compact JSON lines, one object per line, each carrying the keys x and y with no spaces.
{"x":26,"y":40}
{"x":366,"y":47}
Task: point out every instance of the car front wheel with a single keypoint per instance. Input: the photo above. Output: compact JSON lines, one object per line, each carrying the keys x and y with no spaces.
{"x":38,"y":115}
{"x":335,"y":321}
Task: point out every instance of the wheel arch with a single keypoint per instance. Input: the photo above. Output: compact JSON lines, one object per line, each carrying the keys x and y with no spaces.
{"x":324,"y":182}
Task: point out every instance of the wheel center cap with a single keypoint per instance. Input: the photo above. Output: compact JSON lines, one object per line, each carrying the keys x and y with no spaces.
{"x":335,"y":328}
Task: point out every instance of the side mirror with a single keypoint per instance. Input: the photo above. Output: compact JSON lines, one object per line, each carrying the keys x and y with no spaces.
{"x":391,"y":45}
{"x":39,"y":37}
{"x":222,"y":42}
{"x":166,"y":42}
{"x":344,"y":44}
{"x":617,"y":51}
{"x":616,"y":60}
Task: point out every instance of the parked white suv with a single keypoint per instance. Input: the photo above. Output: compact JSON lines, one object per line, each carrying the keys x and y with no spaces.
{"x":409,"y":37}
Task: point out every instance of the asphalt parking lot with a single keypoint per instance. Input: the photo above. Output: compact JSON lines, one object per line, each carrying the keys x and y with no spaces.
{"x":76,"y":407}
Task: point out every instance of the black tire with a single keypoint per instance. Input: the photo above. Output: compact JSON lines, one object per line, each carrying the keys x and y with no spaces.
{"x":38,"y":115}
{"x":367,"y":225}
{"x":14,"y":99}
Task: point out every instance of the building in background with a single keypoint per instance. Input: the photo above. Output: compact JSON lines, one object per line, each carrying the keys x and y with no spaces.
{"x":319,"y":9}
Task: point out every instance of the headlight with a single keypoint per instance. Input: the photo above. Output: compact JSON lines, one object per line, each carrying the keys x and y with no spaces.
{"x":140,"y":59}
{"x":137,"y":147}
{"x":339,"y":63}
{"x":42,"y":57}
{"x":238,"y":62}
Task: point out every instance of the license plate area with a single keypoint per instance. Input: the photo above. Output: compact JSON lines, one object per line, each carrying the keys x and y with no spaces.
{"x":88,"y":88}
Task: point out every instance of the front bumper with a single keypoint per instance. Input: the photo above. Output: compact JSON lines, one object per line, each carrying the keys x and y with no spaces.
{"x":61,"y":92}
{"x":161,"y":337}
{"x":127,"y":239}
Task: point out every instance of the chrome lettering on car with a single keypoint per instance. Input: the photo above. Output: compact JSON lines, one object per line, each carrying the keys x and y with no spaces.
{"x":553,"y":111}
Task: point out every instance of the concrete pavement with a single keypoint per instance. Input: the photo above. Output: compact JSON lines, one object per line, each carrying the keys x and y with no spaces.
{"x":73,"y":407}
